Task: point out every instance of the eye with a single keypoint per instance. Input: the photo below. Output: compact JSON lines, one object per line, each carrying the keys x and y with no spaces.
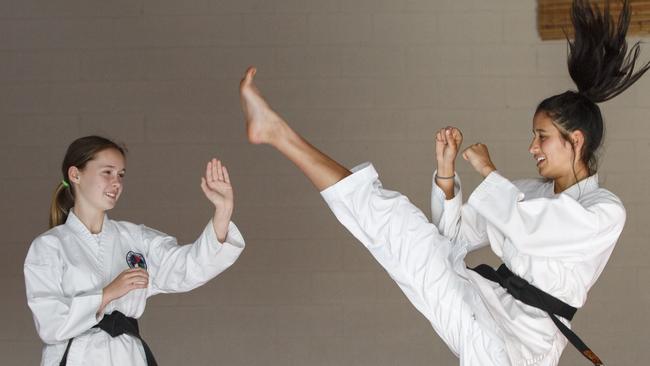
{"x":121,"y":174}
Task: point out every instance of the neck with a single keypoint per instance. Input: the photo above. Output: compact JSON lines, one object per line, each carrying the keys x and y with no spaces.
{"x":92,"y":219}
{"x":566,"y":181}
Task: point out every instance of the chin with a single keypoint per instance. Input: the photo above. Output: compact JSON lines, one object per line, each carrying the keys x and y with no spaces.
{"x":543,"y":174}
{"x":109,"y":206}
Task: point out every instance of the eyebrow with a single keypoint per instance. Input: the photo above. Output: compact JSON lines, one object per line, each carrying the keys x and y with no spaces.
{"x":539,"y":130}
{"x":113,"y":167}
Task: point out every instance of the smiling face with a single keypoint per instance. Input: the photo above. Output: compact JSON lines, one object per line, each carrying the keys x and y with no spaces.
{"x":99,"y":184}
{"x":553,"y":154}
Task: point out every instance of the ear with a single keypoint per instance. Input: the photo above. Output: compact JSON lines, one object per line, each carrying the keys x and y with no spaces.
{"x":578,"y":141}
{"x":73,"y":174}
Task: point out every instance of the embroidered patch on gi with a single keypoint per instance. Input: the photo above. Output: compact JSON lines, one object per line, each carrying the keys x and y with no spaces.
{"x":135,"y":260}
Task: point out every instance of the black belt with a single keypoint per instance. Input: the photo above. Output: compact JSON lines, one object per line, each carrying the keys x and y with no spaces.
{"x":116,"y":324}
{"x":523,"y":291}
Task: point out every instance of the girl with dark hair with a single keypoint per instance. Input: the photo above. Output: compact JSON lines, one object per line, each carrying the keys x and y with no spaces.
{"x":88,"y":277}
{"x":553,"y":235}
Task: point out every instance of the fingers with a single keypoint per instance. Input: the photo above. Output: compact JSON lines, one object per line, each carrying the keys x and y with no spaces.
{"x":128,"y":280}
{"x":450,"y":138}
{"x":468,"y":152}
{"x":475,"y":149}
{"x":208,"y":172}
{"x":219,"y":171}
{"x":135,"y":272}
{"x":130,"y":270}
{"x":204,"y":186}
{"x":134,"y":278}
{"x":457,"y":136}
{"x":449,"y":135}
{"x":138,"y":284}
{"x":226,"y":177}
{"x":214,"y":176}
{"x":138,"y":279}
{"x":441,"y":136}
{"x":215,"y":171}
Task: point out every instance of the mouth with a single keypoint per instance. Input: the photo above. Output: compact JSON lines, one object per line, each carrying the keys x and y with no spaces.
{"x":540,"y":160}
{"x":111,"y":195}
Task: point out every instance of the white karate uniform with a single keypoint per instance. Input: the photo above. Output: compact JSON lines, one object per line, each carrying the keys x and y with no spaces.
{"x":557,"y":242}
{"x":67,"y":267}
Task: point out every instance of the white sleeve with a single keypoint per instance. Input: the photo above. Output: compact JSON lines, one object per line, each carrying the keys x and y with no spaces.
{"x":460,"y":223}
{"x":175,"y":268}
{"x":57,"y":317}
{"x":558,"y":227}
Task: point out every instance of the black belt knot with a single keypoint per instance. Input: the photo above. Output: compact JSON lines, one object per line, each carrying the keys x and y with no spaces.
{"x":523,"y":291}
{"x":116,"y":324}
{"x":514,"y":285}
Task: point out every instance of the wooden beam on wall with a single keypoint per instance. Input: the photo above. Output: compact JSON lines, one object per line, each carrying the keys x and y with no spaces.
{"x":553,"y":17}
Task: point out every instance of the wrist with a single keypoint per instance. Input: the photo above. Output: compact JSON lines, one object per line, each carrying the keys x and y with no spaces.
{"x":220,"y":224}
{"x":446,"y":169}
{"x":222,"y":214}
{"x":486,"y":170}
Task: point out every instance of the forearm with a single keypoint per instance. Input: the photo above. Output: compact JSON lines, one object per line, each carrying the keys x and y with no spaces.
{"x":185,"y":267}
{"x":220,"y":222}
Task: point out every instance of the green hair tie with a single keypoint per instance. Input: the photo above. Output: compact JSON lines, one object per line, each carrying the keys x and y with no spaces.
{"x":65,"y":184}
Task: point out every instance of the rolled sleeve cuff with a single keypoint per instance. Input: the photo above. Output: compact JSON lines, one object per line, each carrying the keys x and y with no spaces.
{"x":231,"y":246}
{"x":361,"y":175}
{"x":493,"y":187}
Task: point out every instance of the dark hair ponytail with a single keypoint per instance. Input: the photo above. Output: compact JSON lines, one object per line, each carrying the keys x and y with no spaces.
{"x":79,"y":153}
{"x":601,"y":67}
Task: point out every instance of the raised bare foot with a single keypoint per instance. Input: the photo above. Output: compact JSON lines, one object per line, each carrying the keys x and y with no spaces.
{"x":262,"y":123}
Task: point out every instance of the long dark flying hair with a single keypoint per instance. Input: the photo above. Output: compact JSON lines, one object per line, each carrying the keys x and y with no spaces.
{"x":601,"y":67}
{"x":79,"y":153}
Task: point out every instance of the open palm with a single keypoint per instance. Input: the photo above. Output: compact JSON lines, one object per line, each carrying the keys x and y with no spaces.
{"x":216,"y":185}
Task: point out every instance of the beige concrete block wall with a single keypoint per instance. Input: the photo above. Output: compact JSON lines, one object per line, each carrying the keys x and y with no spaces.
{"x":364,"y":80}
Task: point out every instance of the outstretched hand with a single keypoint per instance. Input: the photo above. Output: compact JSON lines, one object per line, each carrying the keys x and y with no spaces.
{"x":216,"y":187}
{"x":479,"y":157}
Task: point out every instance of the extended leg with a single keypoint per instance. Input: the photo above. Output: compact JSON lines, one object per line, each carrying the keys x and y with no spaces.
{"x":396,"y":232}
{"x":265,"y":126}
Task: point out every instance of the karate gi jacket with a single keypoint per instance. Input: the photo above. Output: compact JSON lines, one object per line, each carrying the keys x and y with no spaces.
{"x":67,"y":267}
{"x":559,"y":243}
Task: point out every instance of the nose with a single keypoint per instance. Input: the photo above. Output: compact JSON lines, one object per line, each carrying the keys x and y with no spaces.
{"x":117,"y":181}
{"x":534,"y":147}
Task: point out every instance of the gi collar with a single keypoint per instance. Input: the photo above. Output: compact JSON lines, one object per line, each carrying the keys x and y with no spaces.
{"x":76,"y":225}
{"x":583,"y":187}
